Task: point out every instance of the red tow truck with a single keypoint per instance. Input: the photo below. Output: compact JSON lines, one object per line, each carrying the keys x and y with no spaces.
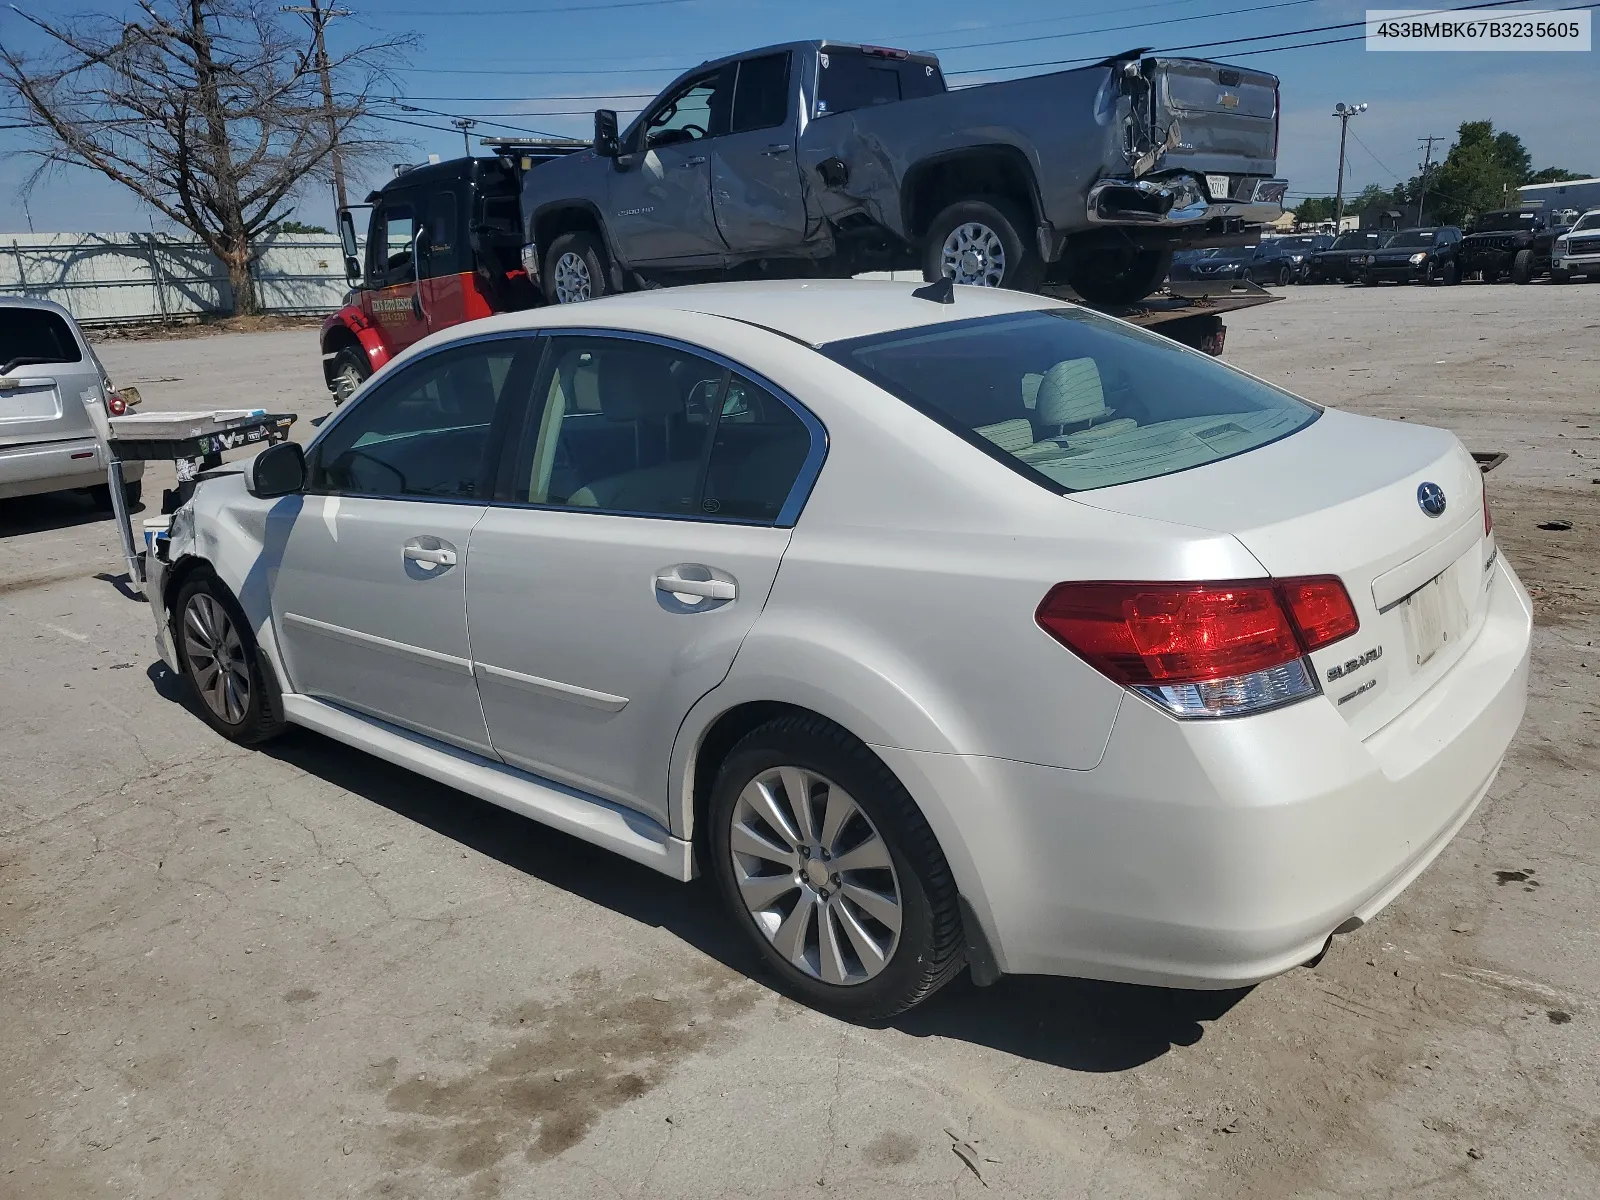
{"x":444,"y":245}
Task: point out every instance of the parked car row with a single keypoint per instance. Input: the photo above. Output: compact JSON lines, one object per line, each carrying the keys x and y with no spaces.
{"x":1519,"y":244}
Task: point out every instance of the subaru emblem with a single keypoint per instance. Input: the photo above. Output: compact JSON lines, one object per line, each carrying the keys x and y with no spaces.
{"x":1430,"y":498}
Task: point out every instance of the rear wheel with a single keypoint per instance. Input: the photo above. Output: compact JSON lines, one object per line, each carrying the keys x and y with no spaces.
{"x":1430,"y":274}
{"x":238,"y":693}
{"x":1522,"y":267}
{"x":351,"y":368}
{"x":832,"y":872}
{"x":1283,"y":276}
{"x":1115,"y":275}
{"x":575,"y":269}
{"x":983,"y":243}
{"x":1452,"y":273}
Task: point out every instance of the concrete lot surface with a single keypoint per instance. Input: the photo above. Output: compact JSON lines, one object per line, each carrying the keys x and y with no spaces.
{"x":299,"y":972}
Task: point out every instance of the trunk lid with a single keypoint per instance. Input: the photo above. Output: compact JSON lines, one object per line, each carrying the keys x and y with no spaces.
{"x":1226,"y":117}
{"x":48,"y":402}
{"x":1341,"y":497}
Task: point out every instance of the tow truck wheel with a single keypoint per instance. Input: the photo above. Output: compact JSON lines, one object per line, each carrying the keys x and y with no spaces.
{"x":575,"y":269}
{"x":237,"y":690}
{"x":350,"y":370}
{"x":1118,"y":274}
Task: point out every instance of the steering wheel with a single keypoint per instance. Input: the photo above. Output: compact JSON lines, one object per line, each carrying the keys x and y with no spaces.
{"x":697,"y":130}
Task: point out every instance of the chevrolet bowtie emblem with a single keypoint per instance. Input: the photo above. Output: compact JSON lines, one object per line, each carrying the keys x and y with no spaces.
{"x":1228,"y":100}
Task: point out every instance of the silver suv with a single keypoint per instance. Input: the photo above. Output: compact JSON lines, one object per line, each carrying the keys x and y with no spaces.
{"x":55,"y":400}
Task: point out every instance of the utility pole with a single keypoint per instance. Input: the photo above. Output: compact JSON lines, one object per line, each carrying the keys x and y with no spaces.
{"x":464,"y":124}
{"x":1427,"y":161}
{"x":318,"y":17}
{"x":1344,"y":112}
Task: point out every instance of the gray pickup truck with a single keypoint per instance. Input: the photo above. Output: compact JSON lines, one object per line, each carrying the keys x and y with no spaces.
{"x":825,"y":158}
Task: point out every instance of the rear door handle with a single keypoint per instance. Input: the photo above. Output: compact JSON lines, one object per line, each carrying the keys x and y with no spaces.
{"x":704,"y":589}
{"x":772,"y":151}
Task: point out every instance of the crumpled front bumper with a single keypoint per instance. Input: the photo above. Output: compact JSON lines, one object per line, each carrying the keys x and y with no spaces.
{"x":1180,"y":200}
{"x":155,"y":590}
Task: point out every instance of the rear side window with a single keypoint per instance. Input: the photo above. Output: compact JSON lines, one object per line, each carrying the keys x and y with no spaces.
{"x":850,"y":79}
{"x":1072,"y":400}
{"x":761,"y":95}
{"x":35,"y":335}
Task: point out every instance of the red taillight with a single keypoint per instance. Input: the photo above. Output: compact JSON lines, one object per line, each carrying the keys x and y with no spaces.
{"x":884,"y":52}
{"x":116,"y":405}
{"x":1202,"y":649}
{"x":1488,"y":521}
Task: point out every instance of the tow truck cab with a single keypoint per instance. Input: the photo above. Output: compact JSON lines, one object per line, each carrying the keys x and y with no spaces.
{"x":443,"y":246}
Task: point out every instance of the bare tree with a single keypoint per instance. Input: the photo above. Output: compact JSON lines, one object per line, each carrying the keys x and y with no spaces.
{"x":211,"y":111}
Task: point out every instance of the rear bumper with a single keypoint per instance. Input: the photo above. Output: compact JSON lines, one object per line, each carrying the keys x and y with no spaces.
{"x":1216,"y":854}
{"x":56,"y":466}
{"x":1179,"y":201}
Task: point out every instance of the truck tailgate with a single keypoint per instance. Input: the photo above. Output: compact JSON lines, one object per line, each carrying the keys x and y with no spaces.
{"x":1226,"y":118}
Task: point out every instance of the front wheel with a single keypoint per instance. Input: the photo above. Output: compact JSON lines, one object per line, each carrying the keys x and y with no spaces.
{"x":982,"y":243}
{"x":831,"y":871}
{"x":575,"y":269}
{"x":1522,"y":267}
{"x":238,"y":693}
{"x":351,"y":368}
{"x":1283,"y":276}
{"x":1116,"y":275}
{"x":1452,"y":273}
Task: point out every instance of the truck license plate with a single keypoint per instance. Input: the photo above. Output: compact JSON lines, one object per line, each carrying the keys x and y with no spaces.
{"x":1217,"y":185}
{"x":1426,"y":618}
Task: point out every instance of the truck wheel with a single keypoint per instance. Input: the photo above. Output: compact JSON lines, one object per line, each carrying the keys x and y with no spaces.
{"x":351,"y":368}
{"x":980,"y":242}
{"x":1118,"y":275}
{"x":1522,"y":267}
{"x":575,"y":269}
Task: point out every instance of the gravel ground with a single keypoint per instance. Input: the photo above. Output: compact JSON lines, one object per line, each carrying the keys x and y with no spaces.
{"x":300,"y":972}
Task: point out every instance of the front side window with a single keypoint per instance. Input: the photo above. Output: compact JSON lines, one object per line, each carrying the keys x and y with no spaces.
{"x":393,"y":245}
{"x":1072,"y":400}
{"x":698,"y":110}
{"x":1506,"y":222}
{"x":34,"y":336}
{"x":653,"y":430}
{"x":425,"y":432}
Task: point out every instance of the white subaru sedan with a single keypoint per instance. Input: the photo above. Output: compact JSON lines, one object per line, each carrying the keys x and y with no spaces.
{"x":993,"y":633}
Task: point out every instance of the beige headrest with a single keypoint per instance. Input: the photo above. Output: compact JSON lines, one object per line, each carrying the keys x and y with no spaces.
{"x":1070,"y":392}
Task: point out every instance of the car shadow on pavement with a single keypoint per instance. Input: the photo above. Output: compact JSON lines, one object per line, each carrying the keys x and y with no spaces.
{"x":51,"y":510}
{"x":1077,"y":1024}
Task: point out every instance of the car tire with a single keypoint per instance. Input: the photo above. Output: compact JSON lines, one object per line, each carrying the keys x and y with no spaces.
{"x":1283,"y":277}
{"x":1430,"y":275}
{"x":981,"y":228}
{"x":132,"y":495}
{"x":351,"y":368}
{"x":1522,"y":267}
{"x":219,"y":657}
{"x":1120,"y":275}
{"x":575,"y":269}
{"x":1451,"y":275}
{"x":762,"y":861}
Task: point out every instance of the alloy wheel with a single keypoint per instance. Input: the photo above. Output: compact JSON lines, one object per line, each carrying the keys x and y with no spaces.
{"x":815,"y":875}
{"x":215,"y":654}
{"x":974,"y":254}
{"x":572,"y":278}
{"x":346,"y":381}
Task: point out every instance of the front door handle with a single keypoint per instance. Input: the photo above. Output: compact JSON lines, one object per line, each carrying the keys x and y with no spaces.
{"x":673,"y":582}
{"x":693,"y":162}
{"x":429,"y":552}
{"x":773,"y":151}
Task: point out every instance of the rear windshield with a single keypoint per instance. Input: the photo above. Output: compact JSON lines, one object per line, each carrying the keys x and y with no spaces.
{"x":35,"y":335}
{"x":1503,"y":222}
{"x":1072,"y":400}
{"x":1412,"y":237}
{"x":848,"y":79}
{"x":1295,"y":243}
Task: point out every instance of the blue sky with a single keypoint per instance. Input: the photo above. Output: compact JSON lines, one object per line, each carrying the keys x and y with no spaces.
{"x":502,"y":58}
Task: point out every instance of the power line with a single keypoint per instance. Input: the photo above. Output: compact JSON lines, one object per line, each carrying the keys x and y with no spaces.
{"x":452,"y":13}
{"x":1048,"y":37}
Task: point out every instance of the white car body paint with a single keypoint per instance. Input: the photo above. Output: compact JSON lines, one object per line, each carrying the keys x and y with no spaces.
{"x":1091,"y":833}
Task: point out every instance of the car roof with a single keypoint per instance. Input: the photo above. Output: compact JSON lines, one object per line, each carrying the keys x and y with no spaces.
{"x":36,"y":302}
{"x":818,"y":311}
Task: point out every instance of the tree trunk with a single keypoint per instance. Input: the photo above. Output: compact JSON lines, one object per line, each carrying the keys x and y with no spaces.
{"x":246,"y":303}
